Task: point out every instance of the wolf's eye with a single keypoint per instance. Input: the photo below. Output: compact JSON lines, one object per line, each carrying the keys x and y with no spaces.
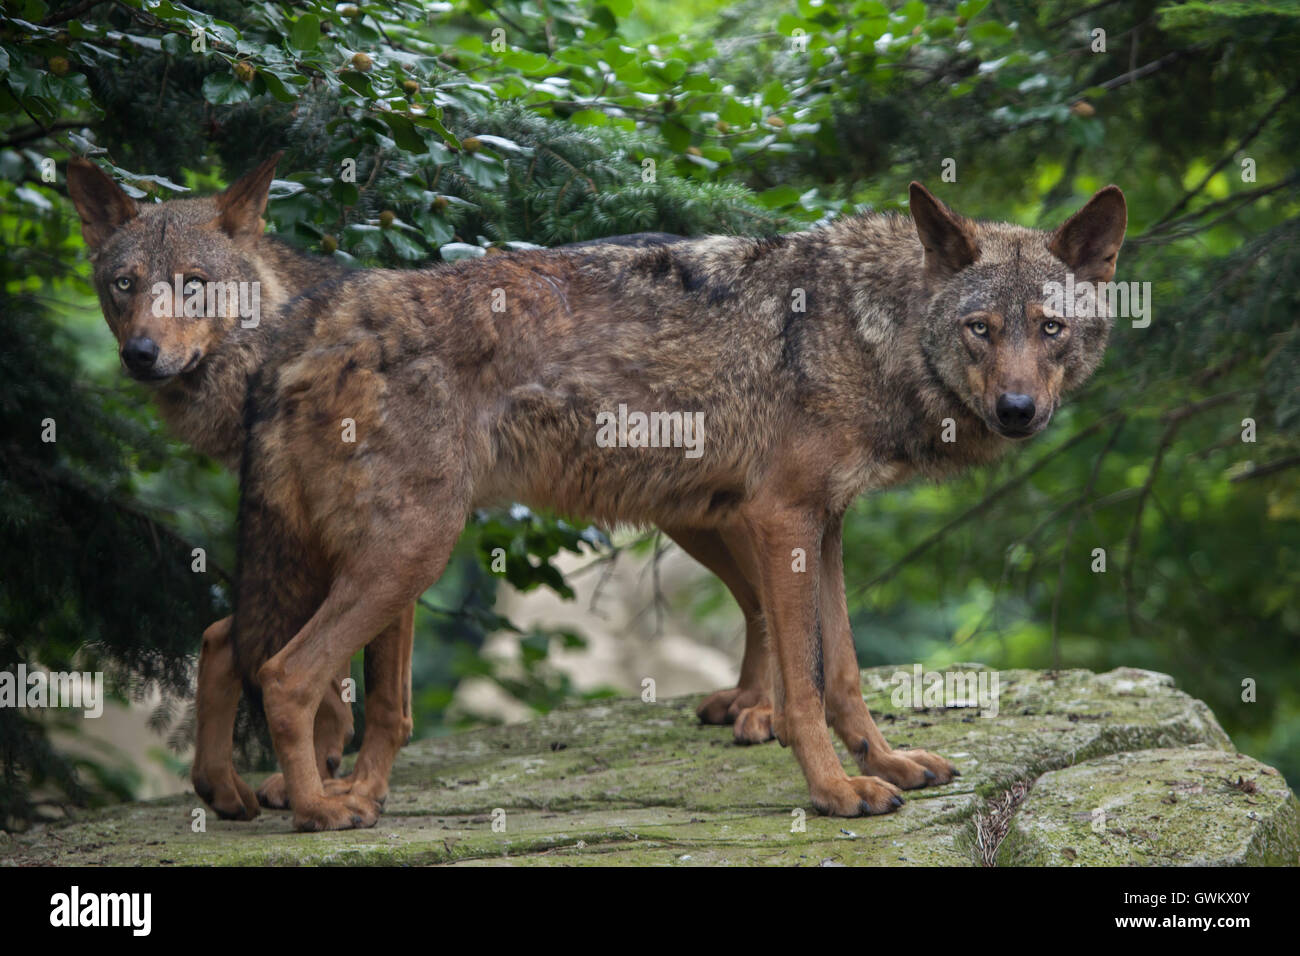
{"x":123,"y":283}
{"x":980,"y":328}
{"x":192,"y":285}
{"x":1051,"y":327}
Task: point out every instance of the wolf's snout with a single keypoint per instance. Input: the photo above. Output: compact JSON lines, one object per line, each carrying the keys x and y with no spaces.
{"x":140,"y":354}
{"x":1015,"y":411}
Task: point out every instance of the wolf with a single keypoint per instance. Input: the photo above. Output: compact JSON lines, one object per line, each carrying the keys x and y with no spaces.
{"x":198,"y":368}
{"x":820,"y":365}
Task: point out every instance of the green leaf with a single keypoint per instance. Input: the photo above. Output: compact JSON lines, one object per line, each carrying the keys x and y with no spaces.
{"x":670,"y":71}
{"x":306,"y":32}
{"x":460,"y":250}
{"x":433,"y":120}
{"x":275,"y":86}
{"x":941,"y":26}
{"x":677,"y":136}
{"x":589,"y":118}
{"x":526,"y":62}
{"x":33,"y":198}
{"x":405,"y":247}
{"x":991,"y":30}
{"x":222,"y":89}
{"x":405,"y":134}
{"x":912,"y":12}
{"x":779,"y":196}
{"x":775,"y":93}
{"x":616,"y":55}
{"x":501,"y":144}
{"x":344,"y":192}
{"x":969,"y":8}
{"x":358,"y":81}
{"x":486,"y":171}
{"x":736,"y":113}
{"x":435,"y":229}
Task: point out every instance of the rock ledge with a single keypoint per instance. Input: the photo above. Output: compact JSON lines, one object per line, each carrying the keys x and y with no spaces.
{"x":1078,"y":768}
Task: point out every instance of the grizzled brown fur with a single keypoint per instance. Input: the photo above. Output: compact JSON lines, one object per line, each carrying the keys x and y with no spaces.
{"x":199,"y":378}
{"x":907,"y":327}
{"x":199,"y":381}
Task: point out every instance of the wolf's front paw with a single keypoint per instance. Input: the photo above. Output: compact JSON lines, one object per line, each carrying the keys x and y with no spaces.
{"x":725,"y":706}
{"x":909,"y":769}
{"x":226,"y":793}
{"x":856,"y":797}
{"x":358,"y":786}
{"x":273,"y":793}
{"x":754,"y":725}
{"x":347,"y":811}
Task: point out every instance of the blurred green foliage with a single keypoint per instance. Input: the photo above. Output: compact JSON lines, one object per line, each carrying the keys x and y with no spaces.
{"x":483,"y":123}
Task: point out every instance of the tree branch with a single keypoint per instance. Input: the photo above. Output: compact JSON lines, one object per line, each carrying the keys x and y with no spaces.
{"x":1132,"y":75}
{"x":1166,"y":233}
{"x":983,"y":505}
{"x":1069,"y":533}
{"x":503,"y":17}
{"x":29,"y":133}
{"x":1176,"y":419}
{"x":70,"y":13}
{"x":1272,"y":467}
{"x":1062,"y":21}
{"x":1227,"y":157}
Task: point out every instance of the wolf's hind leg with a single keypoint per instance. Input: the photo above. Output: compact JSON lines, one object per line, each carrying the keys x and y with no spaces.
{"x":748,"y":705}
{"x":388,"y":722}
{"x":215,"y":705}
{"x":846,"y":711}
{"x":408,"y":721}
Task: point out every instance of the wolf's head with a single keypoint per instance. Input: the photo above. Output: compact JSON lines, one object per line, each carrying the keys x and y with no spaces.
{"x":138,"y":252}
{"x":996,"y":332}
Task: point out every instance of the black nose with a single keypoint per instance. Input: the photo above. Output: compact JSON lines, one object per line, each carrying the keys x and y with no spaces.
{"x":139,"y":354}
{"x":1015,"y":411}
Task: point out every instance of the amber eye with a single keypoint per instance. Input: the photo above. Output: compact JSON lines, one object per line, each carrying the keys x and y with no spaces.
{"x":1052,"y":327}
{"x":979,"y":328}
{"x":123,"y":283}
{"x":193,"y":284}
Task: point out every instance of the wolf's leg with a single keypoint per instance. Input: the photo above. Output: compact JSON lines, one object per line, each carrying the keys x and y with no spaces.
{"x":331,"y":732}
{"x":215,"y":705}
{"x":408,"y":722}
{"x":366,"y":596}
{"x":334,"y":725}
{"x":846,"y":711}
{"x":747,"y":706}
{"x":790,"y":600}
{"x":388,"y":725}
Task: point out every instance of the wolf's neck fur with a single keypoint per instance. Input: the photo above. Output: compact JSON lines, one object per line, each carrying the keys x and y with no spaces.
{"x":205,"y":408}
{"x":844,"y":309}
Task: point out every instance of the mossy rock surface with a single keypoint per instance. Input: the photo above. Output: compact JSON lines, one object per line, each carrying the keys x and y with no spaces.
{"x":1176,"y":806}
{"x":627,"y":783}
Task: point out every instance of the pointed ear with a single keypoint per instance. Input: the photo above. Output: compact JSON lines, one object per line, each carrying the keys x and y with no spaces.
{"x":948,"y":240}
{"x":1088,"y":242}
{"x":101,"y":204}
{"x":241,"y":206}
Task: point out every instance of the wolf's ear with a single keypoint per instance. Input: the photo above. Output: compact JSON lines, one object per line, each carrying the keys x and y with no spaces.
{"x":948,"y":241}
{"x":101,"y":204}
{"x":1088,"y":242}
{"x":241,"y":206}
